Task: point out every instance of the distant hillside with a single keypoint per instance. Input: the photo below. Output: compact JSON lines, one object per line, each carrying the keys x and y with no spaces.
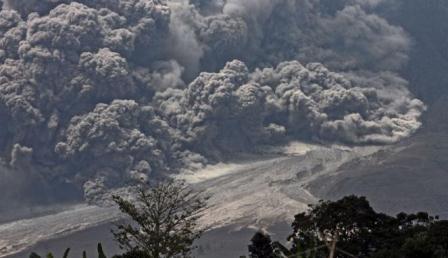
{"x":411,"y":176}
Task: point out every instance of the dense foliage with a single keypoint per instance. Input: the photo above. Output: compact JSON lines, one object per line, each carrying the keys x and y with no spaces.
{"x":356,"y":230}
{"x":261,"y":246}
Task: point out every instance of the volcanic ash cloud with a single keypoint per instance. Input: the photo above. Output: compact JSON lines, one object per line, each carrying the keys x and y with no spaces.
{"x":107,"y":93}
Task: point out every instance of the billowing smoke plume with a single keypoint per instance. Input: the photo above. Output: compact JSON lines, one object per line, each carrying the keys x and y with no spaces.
{"x":237,"y":109}
{"x":103,"y":93}
{"x":270,"y":31}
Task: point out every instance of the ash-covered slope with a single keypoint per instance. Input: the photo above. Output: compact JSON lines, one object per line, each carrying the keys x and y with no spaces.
{"x":409,"y":176}
{"x":272,"y":190}
{"x":25,"y":233}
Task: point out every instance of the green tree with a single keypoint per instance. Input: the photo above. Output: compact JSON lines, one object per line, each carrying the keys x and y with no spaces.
{"x":438,"y":236}
{"x":164,"y":220}
{"x":418,"y":247}
{"x":355,"y":229}
{"x":350,"y":221}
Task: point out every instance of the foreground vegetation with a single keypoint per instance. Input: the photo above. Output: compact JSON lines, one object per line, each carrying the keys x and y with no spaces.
{"x":67,"y":252}
{"x":163,"y":222}
{"x":164,"y":225}
{"x":351,"y":228}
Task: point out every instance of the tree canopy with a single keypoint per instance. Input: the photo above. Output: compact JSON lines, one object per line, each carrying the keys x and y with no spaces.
{"x":163,"y":221}
{"x":352,"y":228}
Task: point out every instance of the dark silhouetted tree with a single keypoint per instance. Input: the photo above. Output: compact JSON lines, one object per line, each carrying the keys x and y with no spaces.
{"x":164,"y":220}
{"x":67,"y":251}
{"x":350,"y":221}
{"x":360,"y":231}
{"x":100,"y":251}
{"x":34,"y":255}
{"x":133,"y":254}
{"x":261,"y":246}
{"x":438,"y":237}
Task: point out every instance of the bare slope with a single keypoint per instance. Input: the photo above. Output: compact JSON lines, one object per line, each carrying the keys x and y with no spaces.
{"x":410,"y":176}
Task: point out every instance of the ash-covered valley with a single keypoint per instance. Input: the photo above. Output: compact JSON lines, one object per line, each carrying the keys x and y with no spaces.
{"x":268,"y":105}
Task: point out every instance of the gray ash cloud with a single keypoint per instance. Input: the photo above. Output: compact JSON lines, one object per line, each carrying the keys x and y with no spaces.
{"x":110,"y":92}
{"x":236,"y":109}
